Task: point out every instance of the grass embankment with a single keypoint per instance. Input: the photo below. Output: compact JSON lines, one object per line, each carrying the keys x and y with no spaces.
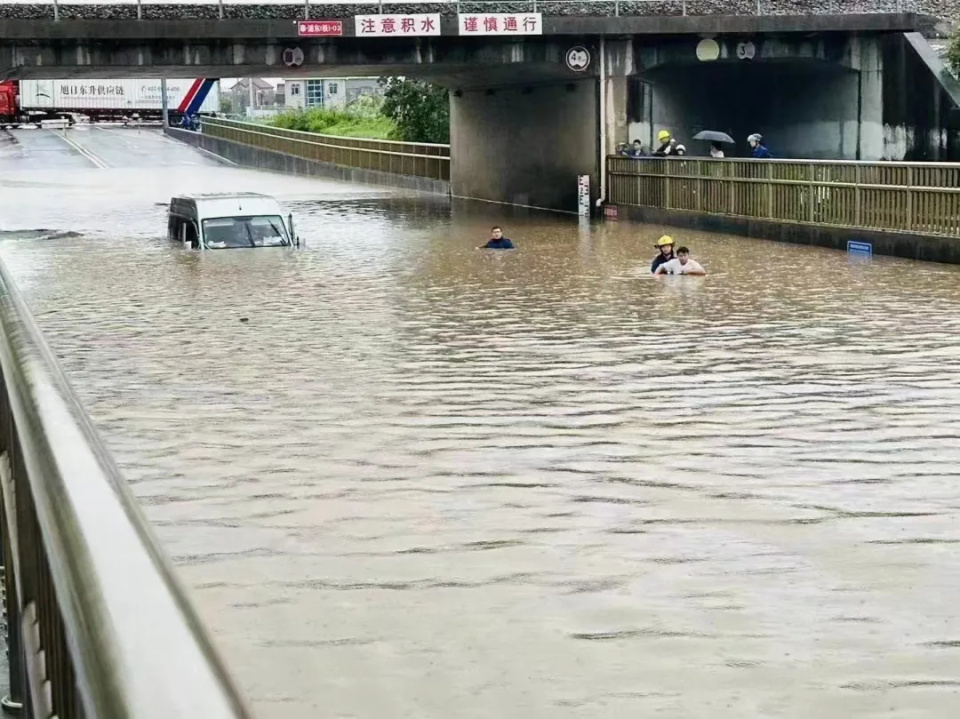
{"x":344,"y":123}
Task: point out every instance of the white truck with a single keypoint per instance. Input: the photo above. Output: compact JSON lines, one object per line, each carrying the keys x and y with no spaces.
{"x":108,"y":100}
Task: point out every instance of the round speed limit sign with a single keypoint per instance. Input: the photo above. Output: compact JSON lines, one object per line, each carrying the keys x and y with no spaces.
{"x":578,"y":58}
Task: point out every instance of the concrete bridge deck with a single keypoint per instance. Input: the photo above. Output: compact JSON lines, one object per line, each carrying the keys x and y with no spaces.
{"x":237,"y":47}
{"x":13,"y":28}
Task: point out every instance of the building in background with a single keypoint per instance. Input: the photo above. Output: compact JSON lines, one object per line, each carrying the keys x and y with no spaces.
{"x":264,"y":96}
{"x":329,"y":92}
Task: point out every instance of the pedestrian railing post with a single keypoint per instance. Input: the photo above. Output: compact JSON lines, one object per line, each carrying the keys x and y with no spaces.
{"x":666,"y":183}
{"x":811,"y":193}
{"x":857,"y":198}
{"x":909,"y":192}
{"x":699,"y":184}
{"x":770,"y":190}
{"x":731,"y":180}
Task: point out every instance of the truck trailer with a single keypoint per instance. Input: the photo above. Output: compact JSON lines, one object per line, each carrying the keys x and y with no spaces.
{"x":25,"y":102}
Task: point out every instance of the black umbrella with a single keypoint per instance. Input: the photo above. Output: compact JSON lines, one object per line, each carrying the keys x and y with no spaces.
{"x":714,"y":136}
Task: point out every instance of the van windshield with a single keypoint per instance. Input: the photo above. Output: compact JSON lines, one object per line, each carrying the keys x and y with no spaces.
{"x":260,"y":231}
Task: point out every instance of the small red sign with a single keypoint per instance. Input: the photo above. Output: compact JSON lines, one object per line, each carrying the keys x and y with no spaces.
{"x":610,"y":212}
{"x":319,"y":28}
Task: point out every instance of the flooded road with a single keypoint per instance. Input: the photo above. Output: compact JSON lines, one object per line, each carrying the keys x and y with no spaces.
{"x":425,"y":481}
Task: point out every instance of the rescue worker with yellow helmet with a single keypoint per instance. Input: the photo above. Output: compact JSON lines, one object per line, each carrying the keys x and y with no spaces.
{"x":665,"y":254}
{"x":668,"y":146}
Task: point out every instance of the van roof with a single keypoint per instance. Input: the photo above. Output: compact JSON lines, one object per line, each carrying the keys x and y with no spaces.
{"x":223,"y":196}
{"x":225,"y":204}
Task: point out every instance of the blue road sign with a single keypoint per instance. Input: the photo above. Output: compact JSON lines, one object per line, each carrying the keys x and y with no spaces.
{"x":864,"y":249}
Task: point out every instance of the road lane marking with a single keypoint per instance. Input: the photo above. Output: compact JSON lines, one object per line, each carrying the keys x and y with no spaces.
{"x":84,"y":152}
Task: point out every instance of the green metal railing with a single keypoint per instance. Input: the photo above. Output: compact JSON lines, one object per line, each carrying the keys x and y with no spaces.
{"x":416,"y":159}
{"x":97,"y":625}
{"x":921,"y":198}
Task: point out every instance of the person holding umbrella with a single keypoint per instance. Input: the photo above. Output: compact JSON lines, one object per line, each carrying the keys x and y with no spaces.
{"x":715,"y":138}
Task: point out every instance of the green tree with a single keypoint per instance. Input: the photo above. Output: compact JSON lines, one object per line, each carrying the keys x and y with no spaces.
{"x":420,"y":110}
{"x":953,"y":52}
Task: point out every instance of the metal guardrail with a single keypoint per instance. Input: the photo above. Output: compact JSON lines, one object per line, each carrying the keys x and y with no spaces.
{"x":398,"y":158}
{"x":893,"y":196}
{"x":97,"y":625}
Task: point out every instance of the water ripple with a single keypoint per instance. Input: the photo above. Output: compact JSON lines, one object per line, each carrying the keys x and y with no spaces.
{"x":422,"y":480}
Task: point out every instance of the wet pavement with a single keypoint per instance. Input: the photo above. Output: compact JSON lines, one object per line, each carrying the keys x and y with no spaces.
{"x":405,"y":477}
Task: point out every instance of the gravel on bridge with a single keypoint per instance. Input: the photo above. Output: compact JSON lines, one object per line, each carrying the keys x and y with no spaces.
{"x":947,"y":9}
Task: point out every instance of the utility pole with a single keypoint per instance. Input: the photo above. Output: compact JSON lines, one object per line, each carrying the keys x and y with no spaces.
{"x":250,"y":80}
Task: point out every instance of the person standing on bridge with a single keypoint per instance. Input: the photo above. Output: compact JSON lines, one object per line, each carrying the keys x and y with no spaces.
{"x":637,"y":151}
{"x":757,"y":147}
{"x":497,"y":241}
{"x":668,"y":146}
{"x":665,"y":247}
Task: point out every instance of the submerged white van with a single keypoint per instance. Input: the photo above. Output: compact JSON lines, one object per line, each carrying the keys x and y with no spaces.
{"x":222,"y":221}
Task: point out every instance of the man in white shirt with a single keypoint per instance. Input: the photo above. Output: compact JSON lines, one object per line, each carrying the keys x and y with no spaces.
{"x":681,"y":265}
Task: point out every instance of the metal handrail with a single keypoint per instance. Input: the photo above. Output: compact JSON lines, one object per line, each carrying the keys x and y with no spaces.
{"x":309,"y":141}
{"x":917,"y":197}
{"x":338,"y":140}
{"x":782,"y":161}
{"x":98,"y":625}
{"x":343,"y":152}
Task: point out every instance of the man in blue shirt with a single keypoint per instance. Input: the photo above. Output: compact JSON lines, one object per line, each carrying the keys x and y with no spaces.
{"x":756,"y":145}
{"x":497,"y":240}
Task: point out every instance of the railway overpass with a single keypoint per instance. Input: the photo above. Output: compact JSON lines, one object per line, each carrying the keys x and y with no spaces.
{"x":525,"y":122}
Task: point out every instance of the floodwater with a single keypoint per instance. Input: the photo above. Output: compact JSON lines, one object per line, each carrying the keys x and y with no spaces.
{"x":423,"y":481}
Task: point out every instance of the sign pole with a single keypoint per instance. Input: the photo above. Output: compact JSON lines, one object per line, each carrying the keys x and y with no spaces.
{"x":603,"y":122}
{"x":163,"y":101}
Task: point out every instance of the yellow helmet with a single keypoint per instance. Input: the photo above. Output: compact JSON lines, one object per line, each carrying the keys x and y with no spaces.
{"x":665,"y":240}
{"x":663,"y":136}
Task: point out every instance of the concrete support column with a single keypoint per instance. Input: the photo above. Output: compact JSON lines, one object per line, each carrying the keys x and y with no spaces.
{"x":525,"y":145}
{"x":619,"y":65}
{"x":870,"y":99}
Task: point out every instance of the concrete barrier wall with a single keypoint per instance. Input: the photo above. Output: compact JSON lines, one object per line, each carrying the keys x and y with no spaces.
{"x":260,"y":159}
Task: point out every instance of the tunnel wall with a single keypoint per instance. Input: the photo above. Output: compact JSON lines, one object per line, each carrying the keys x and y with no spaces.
{"x":818,"y":112}
{"x":819,"y":98}
{"x":525,"y":145}
{"x":260,"y":159}
{"x":921,"y":117}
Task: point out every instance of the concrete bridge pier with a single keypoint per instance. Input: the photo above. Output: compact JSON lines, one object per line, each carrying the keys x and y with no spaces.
{"x":525,"y":144}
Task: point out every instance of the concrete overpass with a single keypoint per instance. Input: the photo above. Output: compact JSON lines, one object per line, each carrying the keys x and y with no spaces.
{"x":37,"y":48}
{"x":523,"y":123}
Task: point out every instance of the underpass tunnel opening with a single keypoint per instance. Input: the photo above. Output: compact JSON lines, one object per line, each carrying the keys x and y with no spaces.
{"x":803,"y":110}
